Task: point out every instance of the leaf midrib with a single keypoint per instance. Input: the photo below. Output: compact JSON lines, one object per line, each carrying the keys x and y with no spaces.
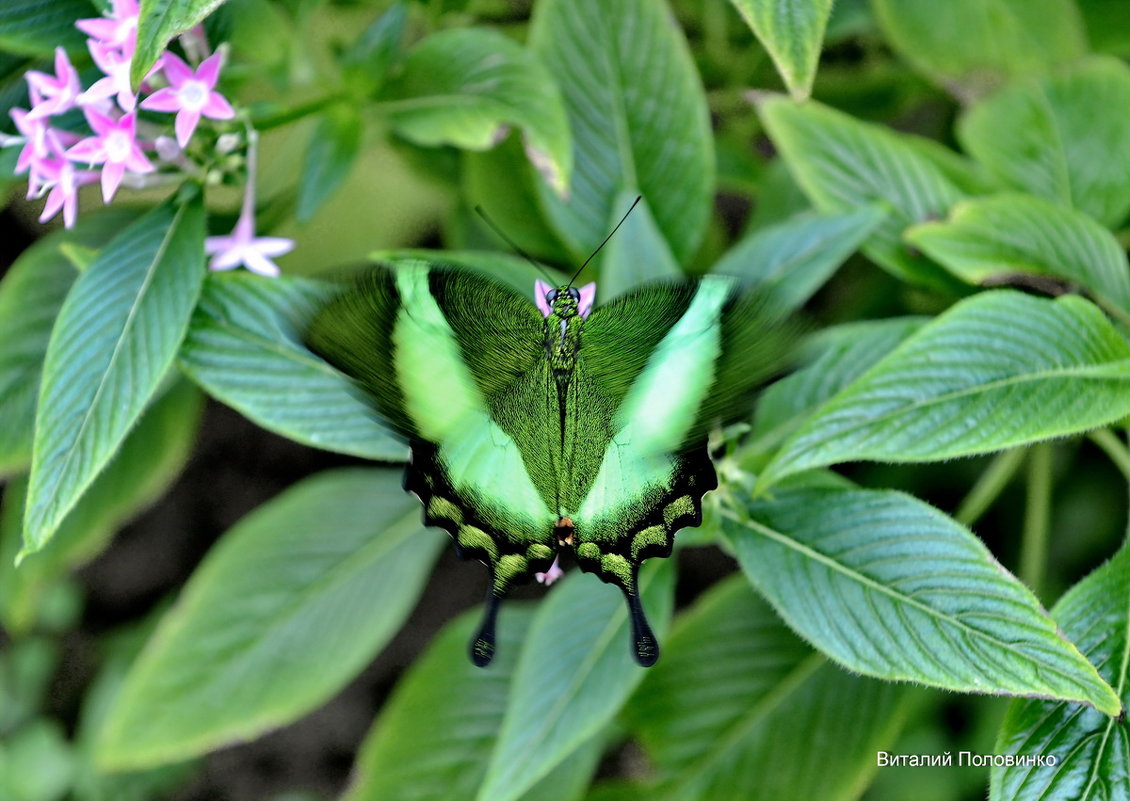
{"x":867,"y":581}
{"x":1111,"y":722}
{"x":142,"y":293}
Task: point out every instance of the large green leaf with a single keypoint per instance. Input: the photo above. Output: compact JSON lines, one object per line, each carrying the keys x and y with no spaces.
{"x":638,"y":115}
{"x":150,"y":458}
{"x":1091,"y":750}
{"x":638,"y":253}
{"x":995,"y":371}
{"x":792,"y":31}
{"x":31,"y":294}
{"x":890,"y":587}
{"x":576,"y":669}
{"x":1056,"y":138}
{"x":291,"y":603}
{"x":34,"y":28}
{"x":115,"y":337}
{"x":971,"y":46}
{"x":159,"y":22}
{"x":737,"y":690}
{"x":842,"y":164}
{"x":464,"y":87}
{"x":244,"y":348}
{"x":838,"y":356}
{"x":795,"y":257}
{"x":435,"y":735}
{"x":987,"y":239}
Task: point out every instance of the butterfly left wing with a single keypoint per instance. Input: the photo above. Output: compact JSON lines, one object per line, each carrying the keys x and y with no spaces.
{"x":456,"y":362}
{"x":665,"y":364}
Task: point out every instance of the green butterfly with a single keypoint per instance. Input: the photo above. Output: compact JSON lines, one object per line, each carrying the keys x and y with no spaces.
{"x":540,"y":426}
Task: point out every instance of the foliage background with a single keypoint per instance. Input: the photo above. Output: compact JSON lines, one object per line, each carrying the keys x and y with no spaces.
{"x":347,"y":178}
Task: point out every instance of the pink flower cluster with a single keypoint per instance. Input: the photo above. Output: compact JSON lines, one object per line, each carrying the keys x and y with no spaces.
{"x":58,"y":160}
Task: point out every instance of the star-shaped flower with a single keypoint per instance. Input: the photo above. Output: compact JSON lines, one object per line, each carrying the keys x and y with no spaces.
{"x":34,"y":134}
{"x":243,"y":247}
{"x":190,"y":94}
{"x":115,"y":64}
{"x":53,"y":94}
{"x":119,"y":29}
{"x":114,"y":146}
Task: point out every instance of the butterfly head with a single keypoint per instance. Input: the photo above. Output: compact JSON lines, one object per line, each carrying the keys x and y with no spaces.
{"x":564,"y":301}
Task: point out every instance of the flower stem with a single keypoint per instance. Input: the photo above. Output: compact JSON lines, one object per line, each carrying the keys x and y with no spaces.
{"x":989,"y":486}
{"x":1114,"y":448}
{"x":1037,"y":516}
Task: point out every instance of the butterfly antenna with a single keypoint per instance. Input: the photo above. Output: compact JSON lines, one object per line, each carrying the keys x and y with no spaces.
{"x":513,"y":245}
{"x":605,"y":242}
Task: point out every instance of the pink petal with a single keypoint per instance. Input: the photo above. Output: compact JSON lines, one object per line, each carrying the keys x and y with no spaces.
{"x":541,"y":289}
{"x":176,"y":70}
{"x":99,"y":122}
{"x":273,"y":245}
{"x":127,"y":99}
{"x":89,"y":150}
{"x":98,"y":91}
{"x":111,"y":179}
{"x":209,"y":70}
{"x":588,"y":295}
{"x":103,"y":56}
{"x":54,"y":203}
{"x":226,"y":260}
{"x":104,"y":30}
{"x":257,"y":263}
{"x":162,"y":100}
{"x":70,"y":209}
{"x":217,"y":108}
{"x":63,"y":68}
{"x":217,"y":244}
{"x":136,"y":162}
{"x":124,"y":9}
{"x":40,"y":81}
{"x":185,"y":125}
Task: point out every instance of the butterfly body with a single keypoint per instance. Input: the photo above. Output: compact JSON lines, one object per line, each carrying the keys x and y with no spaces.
{"x":535,"y":427}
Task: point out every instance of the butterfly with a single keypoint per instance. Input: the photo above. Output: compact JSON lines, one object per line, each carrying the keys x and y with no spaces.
{"x":553,"y":424}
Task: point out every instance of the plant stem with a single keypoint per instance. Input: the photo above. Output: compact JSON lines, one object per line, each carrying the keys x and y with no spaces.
{"x":989,"y":486}
{"x":1037,"y":516}
{"x":1114,"y":448}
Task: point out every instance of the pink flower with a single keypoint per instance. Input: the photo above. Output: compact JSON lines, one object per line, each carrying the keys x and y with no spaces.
{"x":190,"y":94}
{"x":117,"y":30}
{"x":54,"y":94}
{"x":115,"y":65}
{"x":34,"y":134}
{"x":243,"y":247}
{"x":555,"y":572}
{"x":114,"y":146}
{"x":59,"y":178}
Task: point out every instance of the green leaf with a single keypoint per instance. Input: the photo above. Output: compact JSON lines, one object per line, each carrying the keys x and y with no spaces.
{"x":987,"y":239}
{"x":435,"y":735}
{"x":285,"y":610}
{"x":34,"y":28}
{"x":971,"y":46}
{"x":464,"y":87}
{"x":31,"y":294}
{"x":114,"y":340}
{"x":367,"y":61}
{"x":995,"y":371}
{"x":1046,"y":138}
{"x":792,"y":31}
{"x":638,"y":253}
{"x":330,"y":155}
{"x":837,"y":356}
{"x":575,"y":671}
{"x":159,"y":22}
{"x":890,"y":587}
{"x":36,"y":763}
{"x":795,"y":257}
{"x":639,"y":119}
{"x":842,"y":164}
{"x":244,"y":348}
{"x":150,"y":458}
{"x":736,"y":690}
{"x":1092,"y":750}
